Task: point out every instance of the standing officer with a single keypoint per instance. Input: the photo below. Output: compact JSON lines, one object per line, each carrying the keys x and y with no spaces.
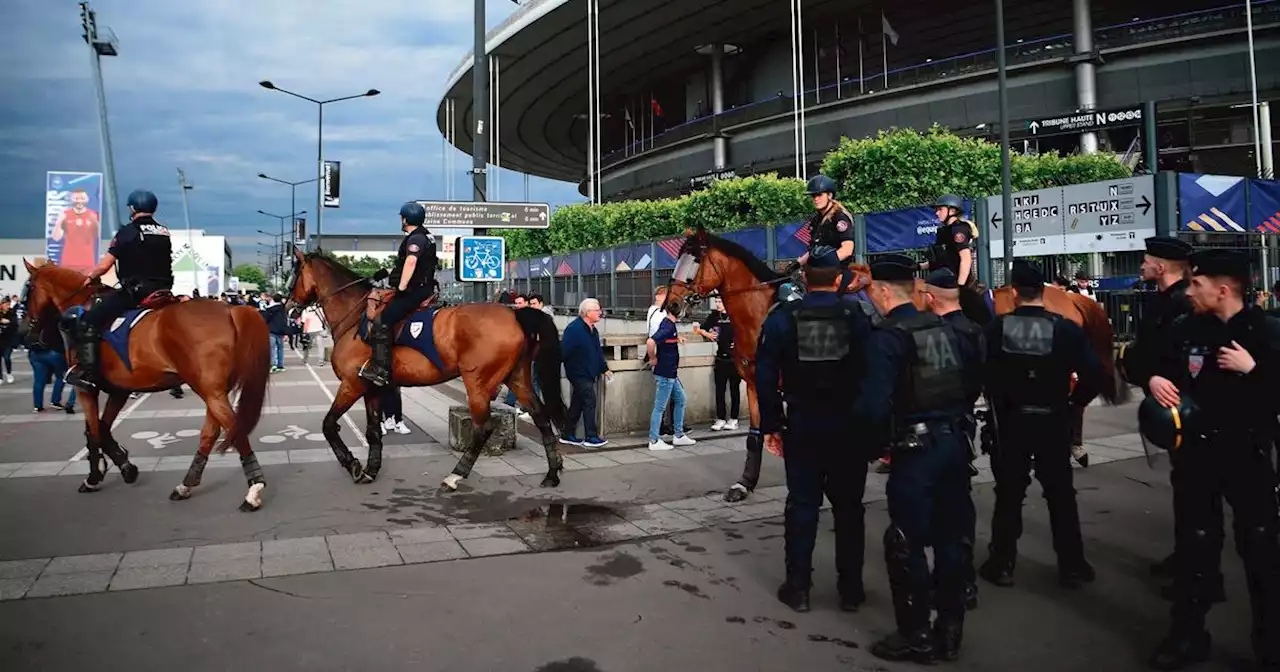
{"x":920,"y":373}
{"x":829,"y":226}
{"x":1031,"y":354}
{"x":413,"y":279}
{"x":810,"y":353}
{"x":144,"y":254}
{"x":1225,"y":357}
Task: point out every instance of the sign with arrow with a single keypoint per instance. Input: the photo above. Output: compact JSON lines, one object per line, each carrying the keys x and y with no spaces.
{"x":1036,"y":222}
{"x":1079,"y":122}
{"x":469,"y":215}
{"x":1109,"y":216}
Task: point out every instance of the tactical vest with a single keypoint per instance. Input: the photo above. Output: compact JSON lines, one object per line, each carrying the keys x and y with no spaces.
{"x":425,"y":268}
{"x":1030,"y":375}
{"x":934,"y":377}
{"x":825,"y":363}
{"x":150,"y":257}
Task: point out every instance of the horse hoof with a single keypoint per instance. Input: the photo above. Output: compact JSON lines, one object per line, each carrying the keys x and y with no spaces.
{"x":364,"y":478}
{"x":737,"y":493}
{"x":246,"y":507}
{"x":551,"y":481}
{"x":357,"y":471}
{"x":85,"y":487}
{"x":451,"y":482}
{"x":180,"y":493}
{"x":130,"y":473}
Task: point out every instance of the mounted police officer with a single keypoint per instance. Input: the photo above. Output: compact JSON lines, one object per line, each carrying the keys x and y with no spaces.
{"x":1225,"y":356}
{"x":916,"y":394}
{"x":953,"y":248}
{"x":830,"y":225}
{"x":1031,"y":354}
{"x":142,"y":254}
{"x":413,"y":278}
{"x":810,"y":355}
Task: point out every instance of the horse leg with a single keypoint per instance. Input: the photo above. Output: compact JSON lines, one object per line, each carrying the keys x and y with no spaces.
{"x":348,"y":393}
{"x":118,"y":455}
{"x":521,"y":383}
{"x":253,"y":476}
{"x":208,"y":436}
{"x":373,"y":434}
{"x":755,"y":452}
{"x":219,"y":409}
{"x":478,"y":400}
{"x":93,"y":443}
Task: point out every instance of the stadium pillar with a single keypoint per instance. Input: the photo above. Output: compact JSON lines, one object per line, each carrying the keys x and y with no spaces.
{"x":479,"y":138}
{"x":721,"y":146}
{"x":1086,"y":83}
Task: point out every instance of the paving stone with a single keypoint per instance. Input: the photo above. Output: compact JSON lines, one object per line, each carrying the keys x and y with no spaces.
{"x":78,"y":583}
{"x":310,"y":455}
{"x":778,"y":492}
{"x":134,"y":578}
{"x":663,"y":455}
{"x":145,"y":464}
{"x":694,"y":504}
{"x":286,"y":564}
{"x":711,"y":516}
{"x":757,"y":511}
{"x":76,"y":564}
{"x":299,"y":546}
{"x":272,"y":457}
{"x":225,"y":570}
{"x":13,"y":589}
{"x":480,"y":531}
{"x":434,"y":551}
{"x":493,"y":546}
{"x":615,"y":532}
{"x":496,"y":470}
{"x":34,"y":469}
{"x":706,"y":449}
{"x":632,"y":456}
{"x":21,"y":569}
{"x":359,"y":551}
{"x":570,"y":464}
{"x":217,"y":553}
{"x":157,"y":558}
{"x":420,"y":535}
{"x":174,"y":463}
{"x":595,"y":461}
{"x":655,"y":519}
{"x":8,"y":468}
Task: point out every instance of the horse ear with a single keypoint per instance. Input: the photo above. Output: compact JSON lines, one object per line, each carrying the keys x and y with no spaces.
{"x":30,"y":268}
{"x":298,"y":254}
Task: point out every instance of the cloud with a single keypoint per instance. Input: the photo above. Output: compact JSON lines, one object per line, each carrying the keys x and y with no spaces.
{"x":183,"y":93}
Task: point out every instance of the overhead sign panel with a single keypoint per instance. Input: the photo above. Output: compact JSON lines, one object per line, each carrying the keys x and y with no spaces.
{"x":468,"y":215}
{"x":1107,"y":216}
{"x":1036,"y":222}
{"x":1081,"y":122}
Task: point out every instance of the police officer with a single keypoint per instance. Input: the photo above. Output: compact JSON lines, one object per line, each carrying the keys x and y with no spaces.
{"x":1031,"y":354}
{"x":953,"y":248}
{"x":915,"y":396}
{"x":142,"y":254}
{"x":829,"y":226}
{"x":814,"y":347}
{"x":1225,"y":356}
{"x":413,"y":278}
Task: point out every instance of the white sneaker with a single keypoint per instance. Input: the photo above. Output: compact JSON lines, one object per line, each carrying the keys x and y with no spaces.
{"x":8,"y":378}
{"x":659,"y":445}
{"x":401,"y":428}
{"x":386,"y":426}
{"x":731,"y":425}
{"x":685,"y":440}
{"x":718,"y":425}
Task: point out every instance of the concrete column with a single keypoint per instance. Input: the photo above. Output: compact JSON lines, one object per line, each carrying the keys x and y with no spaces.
{"x":721,"y":147}
{"x":1086,"y":84}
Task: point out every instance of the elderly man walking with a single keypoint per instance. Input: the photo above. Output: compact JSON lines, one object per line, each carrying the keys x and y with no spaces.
{"x":583,"y":364}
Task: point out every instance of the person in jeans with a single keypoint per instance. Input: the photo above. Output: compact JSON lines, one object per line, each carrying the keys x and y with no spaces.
{"x":48,"y":358}
{"x":718,"y":328}
{"x":8,"y":334}
{"x":663,"y":349}
{"x":278,"y":324}
{"x":583,"y":365}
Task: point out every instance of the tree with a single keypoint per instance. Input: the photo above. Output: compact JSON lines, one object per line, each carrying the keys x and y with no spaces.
{"x":366,"y":265}
{"x":250,"y":274}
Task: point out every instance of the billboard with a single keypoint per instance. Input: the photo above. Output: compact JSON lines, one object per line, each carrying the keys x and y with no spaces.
{"x":332,"y":172}
{"x":72,"y":220}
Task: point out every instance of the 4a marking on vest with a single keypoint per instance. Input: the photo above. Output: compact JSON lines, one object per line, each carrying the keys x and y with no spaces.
{"x":1027,"y":335}
{"x":936,"y":350}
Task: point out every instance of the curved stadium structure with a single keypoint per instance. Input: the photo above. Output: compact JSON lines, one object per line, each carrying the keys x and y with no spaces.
{"x":696,"y":87}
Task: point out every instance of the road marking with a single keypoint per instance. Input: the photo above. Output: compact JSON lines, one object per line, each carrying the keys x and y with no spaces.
{"x":359,"y":435}
{"x":120,"y":418}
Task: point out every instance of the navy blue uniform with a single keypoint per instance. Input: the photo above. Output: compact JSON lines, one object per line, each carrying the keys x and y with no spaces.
{"x":916,"y":388}
{"x":420,"y":245}
{"x":814,"y":348}
{"x":1031,"y":354}
{"x":831,"y":231}
{"x":143,"y":252}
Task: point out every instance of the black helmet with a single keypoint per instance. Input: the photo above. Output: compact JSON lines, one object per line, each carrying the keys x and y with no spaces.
{"x":413,"y":213}
{"x":949,"y":201}
{"x":142,"y":200}
{"x":821,"y":184}
{"x":1165,"y":429}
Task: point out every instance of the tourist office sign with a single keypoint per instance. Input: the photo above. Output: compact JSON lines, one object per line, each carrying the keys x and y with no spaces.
{"x":1106,"y":216}
{"x":485,"y":215}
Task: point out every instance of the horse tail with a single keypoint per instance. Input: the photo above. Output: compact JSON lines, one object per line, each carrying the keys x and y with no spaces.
{"x":252,"y":370}
{"x":543,"y":340}
{"x":1101,"y":337}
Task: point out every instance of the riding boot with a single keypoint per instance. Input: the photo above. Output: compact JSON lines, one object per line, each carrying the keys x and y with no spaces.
{"x":378,"y":369}
{"x":794,"y":592}
{"x":85,"y":373}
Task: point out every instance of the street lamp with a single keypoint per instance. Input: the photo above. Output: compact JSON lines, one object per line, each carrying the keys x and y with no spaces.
{"x":293,"y":195}
{"x":266,"y":84}
{"x":280,"y":269}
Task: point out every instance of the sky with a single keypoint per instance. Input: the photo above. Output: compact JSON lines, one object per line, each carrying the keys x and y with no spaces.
{"x":183,"y":93}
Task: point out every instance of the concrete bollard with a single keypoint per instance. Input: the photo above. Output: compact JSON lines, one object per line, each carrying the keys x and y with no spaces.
{"x":501,"y":417}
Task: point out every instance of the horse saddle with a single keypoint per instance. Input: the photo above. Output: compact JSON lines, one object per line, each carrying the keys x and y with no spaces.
{"x":379,"y":298}
{"x":158,"y":299}
{"x":414,"y":331}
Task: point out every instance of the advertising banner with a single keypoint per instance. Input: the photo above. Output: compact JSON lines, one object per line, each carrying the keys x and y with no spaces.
{"x":72,"y":223}
{"x":1211,"y":203}
{"x":300,"y":230}
{"x":1264,"y":206}
{"x":332,"y":183}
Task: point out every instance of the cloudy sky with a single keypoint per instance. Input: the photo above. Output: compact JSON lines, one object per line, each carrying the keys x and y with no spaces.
{"x":183,"y":93}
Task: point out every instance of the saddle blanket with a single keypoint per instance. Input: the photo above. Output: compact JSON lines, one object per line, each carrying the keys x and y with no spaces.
{"x":415,"y":332}
{"x":117,"y":335}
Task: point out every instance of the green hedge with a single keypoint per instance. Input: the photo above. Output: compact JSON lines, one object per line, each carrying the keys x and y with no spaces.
{"x":896,"y":169}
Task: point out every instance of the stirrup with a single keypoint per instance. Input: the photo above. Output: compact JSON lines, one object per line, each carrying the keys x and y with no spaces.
{"x":371,"y":373}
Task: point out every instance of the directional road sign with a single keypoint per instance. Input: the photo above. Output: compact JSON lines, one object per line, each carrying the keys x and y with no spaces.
{"x":468,"y":215}
{"x":482,"y":258}
{"x":1036,"y":222}
{"x":1109,"y":216}
{"x":1080,"y":122}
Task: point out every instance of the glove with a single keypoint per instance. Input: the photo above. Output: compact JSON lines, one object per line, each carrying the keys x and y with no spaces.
{"x":381,"y":274}
{"x":791,"y":268}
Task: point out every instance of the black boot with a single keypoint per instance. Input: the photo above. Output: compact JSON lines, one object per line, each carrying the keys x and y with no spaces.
{"x":948,"y":632}
{"x":852,"y":598}
{"x":998,"y":570}
{"x":378,"y":369}
{"x":794,"y":592}
{"x":1178,"y":651}
{"x":1075,"y":575}
{"x":85,"y":373}
{"x":913,"y":642}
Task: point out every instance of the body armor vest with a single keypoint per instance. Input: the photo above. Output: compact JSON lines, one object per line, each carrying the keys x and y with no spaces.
{"x":1031,"y":376}
{"x":150,"y":258}
{"x":934,"y":379}
{"x":825,"y":362}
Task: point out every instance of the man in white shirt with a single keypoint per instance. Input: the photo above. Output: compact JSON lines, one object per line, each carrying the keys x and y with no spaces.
{"x":656,"y":313}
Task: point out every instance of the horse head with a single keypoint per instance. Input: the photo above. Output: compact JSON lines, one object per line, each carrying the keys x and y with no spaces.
{"x":303,"y":289}
{"x":709,"y":265}
{"x":49,"y":286}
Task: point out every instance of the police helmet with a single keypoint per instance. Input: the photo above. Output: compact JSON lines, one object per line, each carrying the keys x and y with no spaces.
{"x":413,"y":213}
{"x":949,"y":201}
{"x":821,"y":184}
{"x":142,"y":200}
{"x":1165,"y":429}
{"x":789,"y":291}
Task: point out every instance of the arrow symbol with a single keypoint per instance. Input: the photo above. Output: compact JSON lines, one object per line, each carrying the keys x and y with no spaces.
{"x":1035,"y":127}
{"x":995,"y":220}
{"x":1146,"y":204}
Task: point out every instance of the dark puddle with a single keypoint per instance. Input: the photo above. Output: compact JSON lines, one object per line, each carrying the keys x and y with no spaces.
{"x":688,"y":588}
{"x":565,"y":526}
{"x":740,"y":551}
{"x":735,"y":619}
{"x":614,"y":568}
{"x":574,"y":664}
{"x":834,"y":640}
{"x":785,"y":625}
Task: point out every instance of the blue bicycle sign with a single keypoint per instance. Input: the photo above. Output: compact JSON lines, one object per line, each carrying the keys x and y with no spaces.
{"x":483,"y":259}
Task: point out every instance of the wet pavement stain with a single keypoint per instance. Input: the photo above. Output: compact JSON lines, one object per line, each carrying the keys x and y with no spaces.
{"x":735,"y":619}
{"x":565,"y":526}
{"x":740,"y":551}
{"x":767,"y":537}
{"x":729,"y":534}
{"x":614,"y":568}
{"x":785,"y":625}
{"x":834,"y":640}
{"x":574,"y":664}
{"x":688,"y":588}
{"x":695,"y":549}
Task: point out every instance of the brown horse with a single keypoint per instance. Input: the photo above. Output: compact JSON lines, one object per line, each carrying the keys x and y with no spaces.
{"x":212,"y":347}
{"x":485,"y":344}
{"x":748,"y":288}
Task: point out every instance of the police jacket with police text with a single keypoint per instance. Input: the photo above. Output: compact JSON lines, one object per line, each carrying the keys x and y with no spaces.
{"x":144,"y":254}
{"x":832,"y":229}
{"x":1031,"y":354}
{"x":947,"y":243}
{"x":810,"y":354}
{"x":1142,"y":355}
{"x":417,"y":243}
{"x":1227,"y":400}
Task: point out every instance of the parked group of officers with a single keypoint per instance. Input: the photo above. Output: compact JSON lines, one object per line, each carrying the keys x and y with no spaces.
{"x":904,"y":382}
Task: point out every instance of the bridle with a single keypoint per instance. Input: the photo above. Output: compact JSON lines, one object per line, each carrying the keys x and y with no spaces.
{"x":33,"y":317}
{"x":692,"y":295}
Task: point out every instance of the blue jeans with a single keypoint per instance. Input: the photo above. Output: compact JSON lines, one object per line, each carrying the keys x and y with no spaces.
{"x":277,"y":350}
{"x":46,"y":363}
{"x":667,"y":389}
{"x":6,"y":356}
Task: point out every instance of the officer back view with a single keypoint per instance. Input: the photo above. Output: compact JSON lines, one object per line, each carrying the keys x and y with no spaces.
{"x":915,"y":386}
{"x":1031,"y":354}
{"x":142,"y":254}
{"x":810,"y":355}
{"x":413,"y":278}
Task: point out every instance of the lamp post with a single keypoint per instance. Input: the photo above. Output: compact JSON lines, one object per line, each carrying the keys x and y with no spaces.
{"x":280,"y":268}
{"x":293,"y":197}
{"x":271,"y":262}
{"x":266,"y":84}
{"x":186,"y":215}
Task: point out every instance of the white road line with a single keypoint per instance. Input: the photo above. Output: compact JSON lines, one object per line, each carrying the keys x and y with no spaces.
{"x":324,"y":388}
{"x":124,"y":415}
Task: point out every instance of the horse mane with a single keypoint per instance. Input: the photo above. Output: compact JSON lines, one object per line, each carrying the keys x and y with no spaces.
{"x":758,"y":268}
{"x":337,"y":268}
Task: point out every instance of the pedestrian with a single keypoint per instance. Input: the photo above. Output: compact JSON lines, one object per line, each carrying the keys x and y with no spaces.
{"x":718,"y":328}
{"x":47,"y":353}
{"x":1224,"y":357}
{"x":535,"y":301}
{"x":1031,"y":354}
{"x":1083,"y":285}
{"x":312,"y":332}
{"x":392,"y":407}
{"x":584,"y":363}
{"x":654,"y":318}
{"x":811,"y":357}
{"x":8,"y":336}
{"x":663,"y":349}
{"x":920,"y":377}
{"x":278,"y":325}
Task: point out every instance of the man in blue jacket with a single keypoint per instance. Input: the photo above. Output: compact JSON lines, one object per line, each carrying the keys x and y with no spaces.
{"x":583,"y":365}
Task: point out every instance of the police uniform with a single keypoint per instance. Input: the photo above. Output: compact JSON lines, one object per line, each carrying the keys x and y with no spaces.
{"x":953,"y":236}
{"x":810,"y":355}
{"x":915,"y":385}
{"x":827,"y":228}
{"x":1224,"y":456}
{"x":1031,"y":354}
{"x":143,"y":252}
{"x":418,"y":244}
